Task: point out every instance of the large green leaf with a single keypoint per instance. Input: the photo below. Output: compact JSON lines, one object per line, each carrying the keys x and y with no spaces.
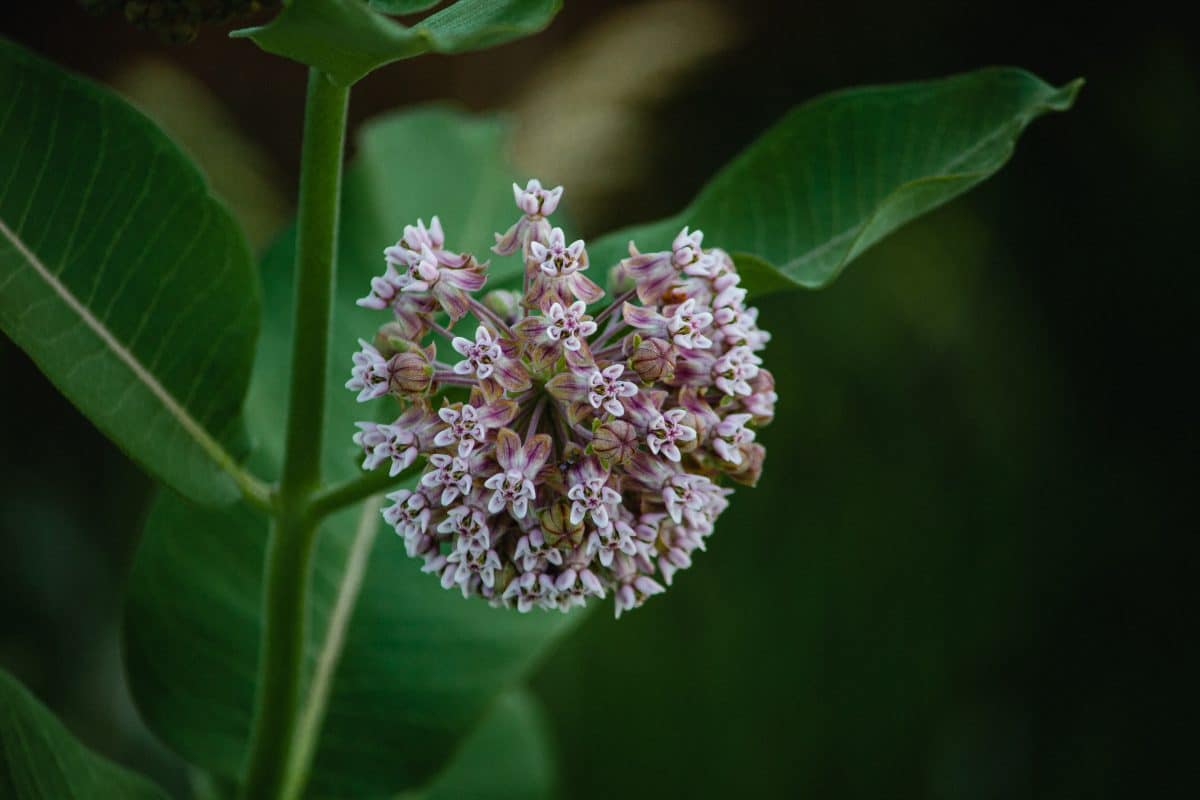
{"x":122,"y":277}
{"x":839,"y":173}
{"x":507,"y":756}
{"x":403,"y":6}
{"x":347,"y":39}
{"x":41,"y":760}
{"x":419,"y":665}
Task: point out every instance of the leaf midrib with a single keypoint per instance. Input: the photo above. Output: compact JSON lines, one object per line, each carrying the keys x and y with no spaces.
{"x":945,"y":172}
{"x":192,"y":427}
{"x":354,"y":571}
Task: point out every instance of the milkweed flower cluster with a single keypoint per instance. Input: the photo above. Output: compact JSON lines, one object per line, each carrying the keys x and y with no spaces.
{"x":573,"y":453}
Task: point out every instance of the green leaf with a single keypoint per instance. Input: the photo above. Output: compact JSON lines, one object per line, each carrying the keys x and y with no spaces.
{"x":128,"y":284}
{"x":347,"y":39}
{"x":402,"y":6}
{"x":39,"y":758}
{"x":508,"y":755}
{"x":839,"y":173}
{"x":419,"y":665}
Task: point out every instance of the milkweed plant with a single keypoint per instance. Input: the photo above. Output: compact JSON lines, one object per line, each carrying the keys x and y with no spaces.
{"x":545,"y":423}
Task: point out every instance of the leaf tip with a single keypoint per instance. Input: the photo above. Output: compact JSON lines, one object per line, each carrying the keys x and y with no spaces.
{"x":1064,"y":97}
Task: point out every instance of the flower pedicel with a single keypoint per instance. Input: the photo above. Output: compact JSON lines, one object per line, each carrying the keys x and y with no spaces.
{"x":588,"y":453}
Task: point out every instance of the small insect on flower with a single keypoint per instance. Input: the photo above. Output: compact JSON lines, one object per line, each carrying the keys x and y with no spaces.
{"x":592,"y":454}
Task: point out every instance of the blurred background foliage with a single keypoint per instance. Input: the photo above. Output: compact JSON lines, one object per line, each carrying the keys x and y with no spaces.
{"x":966,"y":572}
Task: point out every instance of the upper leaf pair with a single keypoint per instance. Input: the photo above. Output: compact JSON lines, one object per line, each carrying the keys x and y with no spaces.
{"x":348,"y":39}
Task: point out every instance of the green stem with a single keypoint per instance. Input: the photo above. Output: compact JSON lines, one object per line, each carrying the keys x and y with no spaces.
{"x":360,"y":487}
{"x":316,"y":246}
{"x":313,"y":714}
{"x":289,"y":549}
{"x":289,"y":552}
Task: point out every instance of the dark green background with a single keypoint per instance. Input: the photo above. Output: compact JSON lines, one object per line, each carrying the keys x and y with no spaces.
{"x":966,"y":572}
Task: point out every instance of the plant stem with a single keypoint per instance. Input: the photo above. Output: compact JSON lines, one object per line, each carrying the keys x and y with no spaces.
{"x":281,"y":658}
{"x":289,"y":549}
{"x":360,"y":487}
{"x":309,"y":726}
{"x":483,"y":312}
{"x":535,"y":418}
{"x":614,"y":306}
{"x":442,"y":329}
{"x":316,"y":246}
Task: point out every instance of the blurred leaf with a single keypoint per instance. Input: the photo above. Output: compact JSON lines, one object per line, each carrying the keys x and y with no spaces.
{"x":420,"y":665}
{"x":839,"y":173}
{"x":402,"y":6}
{"x":127,"y":283}
{"x":347,"y":39}
{"x":240,"y":171}
{"x":39,"y":758}
{"x":508,"y":755}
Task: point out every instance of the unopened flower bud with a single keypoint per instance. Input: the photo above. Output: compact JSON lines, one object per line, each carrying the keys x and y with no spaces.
{"x":614,"y":442}
{"x":761,"y":402}
{"x":390,"y":340}
{"x":654,"y":360}
{"x":558,"y":528}
{"x":750,"y":468}
{"x":689,"y":420}
{"x":411,"y":372}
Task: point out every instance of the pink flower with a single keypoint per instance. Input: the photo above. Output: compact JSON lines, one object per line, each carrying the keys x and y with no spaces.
{"x":594,"y":451}
{"x":467,"y":426}
{"x":569,"y":325}
{"x":391,"y":443}
{"x":685,"y":326}
{"x":450,"y":474}
{"x":533,"y":553}
{"x":447,"y":285}
{"x":556,"y":272}
{"x":730,"y":435}
{"x":371,"y":375}
{"x":528,"y":590}
{"x":536,"y":201}
{"x":383,"y":290}
{"x":409,"y":514}
{"x":666,"y":430}
{"x":652,"y":273}
{"x":556,"y":258}
{"x":689,"y":256}
{"x":733,"y":371}
{"x":591,"y":494}
{"x":605,"y":389}
{"x":519,"y":465}
{"x":605,"y":543}
{"x":419,"y":264}
{"x":470,"y":565}
{"x":481,"y":355}
{"x":536,"y":204}
{"x":470,"y":526}
{"x":761,"y":402}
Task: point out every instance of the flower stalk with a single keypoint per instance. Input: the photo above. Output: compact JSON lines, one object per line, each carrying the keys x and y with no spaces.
{"x":289,"y":549}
